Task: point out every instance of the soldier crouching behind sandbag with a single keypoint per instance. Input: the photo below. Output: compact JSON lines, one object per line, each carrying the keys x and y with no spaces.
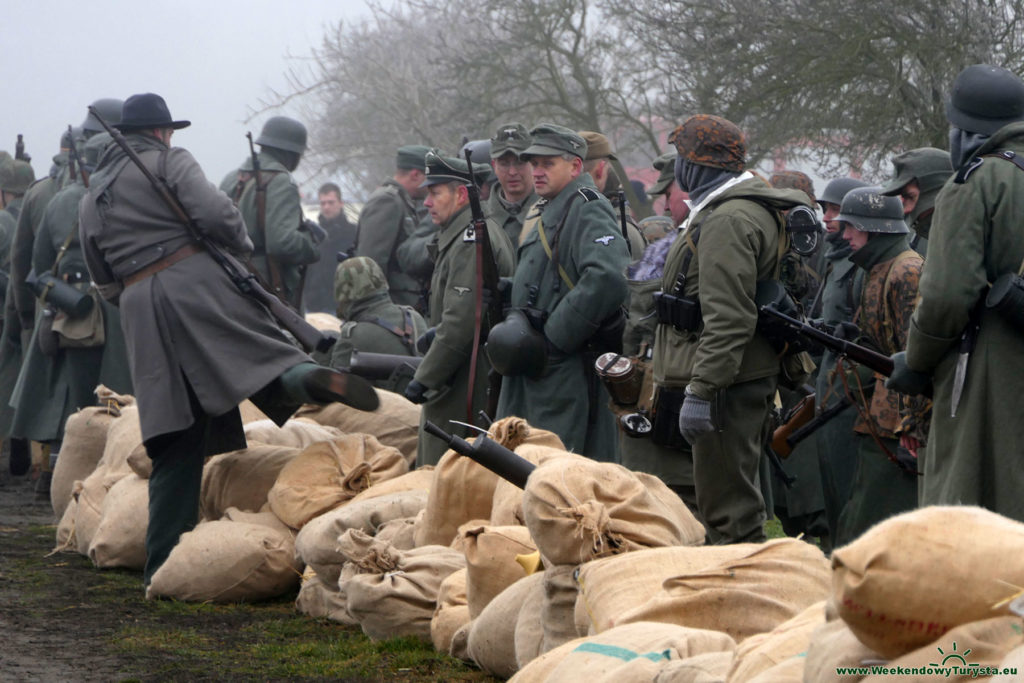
{"x":196,"y":345}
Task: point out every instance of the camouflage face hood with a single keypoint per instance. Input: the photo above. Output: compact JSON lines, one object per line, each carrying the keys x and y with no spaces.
{"x":356,"y":279}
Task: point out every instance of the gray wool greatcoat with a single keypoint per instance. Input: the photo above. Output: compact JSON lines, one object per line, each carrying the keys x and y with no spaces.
{"x":187,"y":322}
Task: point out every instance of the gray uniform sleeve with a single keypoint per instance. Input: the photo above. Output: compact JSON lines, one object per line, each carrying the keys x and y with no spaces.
{"x":211,"y":210}
{"x":380,"y":225}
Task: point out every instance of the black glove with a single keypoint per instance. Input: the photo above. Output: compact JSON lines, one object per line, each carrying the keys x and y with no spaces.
{"x":695,"y":418}
{"x":504,"y":293}
{"x":907,"y":381}
{"x":846,"y":330}
{"x":906,"y":460}
{"x":425,"y":340}
{"x":315,"y":231}
{"x":415,"y":391}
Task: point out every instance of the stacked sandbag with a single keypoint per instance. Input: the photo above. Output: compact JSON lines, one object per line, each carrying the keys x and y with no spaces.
{"x":230,"y":561}
{"x":451,"y":613}
{"x":250,"y":413}
{"x":327,"y":474}
{"x":491,"y":565}
{"x":419,"y":479}
{"x":529,"y":629}
{"x":320,"y":600}
{"x":507,"y":503}
{"x":400,"y":533}
{"x":325,"y":322}
{"x":900,"y":586}
{"x":85,"y":438}
{"x":492,"y":635}
{"x":625,"y":654}
{"x":397,"y":593}
{"x":578,"y":510}
{"x":120,"y":537}
{"x":66,"y":540}
{"x":710,"y":667}
{"x":395,"y":423}
{"x":832,"y":646}
{"x":760,"y":653}
{"x":241,"y":479}
{"x":317,"y":542}
{"x":463,"y":490}
{"x":297,"y":433}
{"x":751,"y":594}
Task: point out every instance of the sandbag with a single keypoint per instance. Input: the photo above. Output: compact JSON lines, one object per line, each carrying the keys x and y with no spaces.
{"x":491,"y":565}
{"x":139,"y":462}
{"x":249,"y":412}
{"x":265,"y":516}
{"x":400,"y":533}
{"x":320,"y":600}
{"x":579,"y":510}
{"x":978,"y":646}
{"x":120,"y":537}
{"x":452,"y":611}
{"x":89,"y":510}
{"x":395,"y":423}
{"x":832,"y":646}
{"x":325,"y":322}
{"x":529,"y":633}
{"x":460,"y":643}
{"x":464,"y":491}
{"x":224,"y":561}
{"x":1011,"y":668}
{"x":634,"y":652}
{"x":764,"y":651}
{"x":507,"y":503}
{"x":66,"y":526}
{"x":887,"y":584}
{"x":85,"y":438}
{"x":789,"y":670}
{"x":710,"y":667}
{"x":398,"y":593}
{"x":419,"y":479}
{"x":327,"y":474}
{"x":241,"y":479}
{"x":614,"y":585}
{"x":492,"y":635}
{"x":123,"y":436}
{"x":558,"y":611}
{"x":745,"y":596}
{"x":297,"y":433}
{"x":317,"y":542}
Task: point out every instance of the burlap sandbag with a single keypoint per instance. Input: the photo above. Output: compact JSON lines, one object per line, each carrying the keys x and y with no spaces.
{"x":710,"y":667}
{"x":66,"y":527}
{"x":241,"y":479}
{"x":317,"y":542}
{"x":395,"y":423}
{"x":224,"y":561}
{"x":745,"y":596}
{"x":398,"y":593}
{"x":579,"y":510}
{"x":980,"y":645}
{"x":887,"y":584}
{"x":764,"y":651}
{"x":634,"y":652}
{"x":452,"y":611}
{"x":558,"y":611}
{"x":120,"y":537}
{"x":325,"y":475}
{"x":419,"y":479}
{"x":400,"y":533}
{"x":321,"y":600}
{"x":1013,"y":665}
{"x":789,"y":670}
{"x":491,"y":561}
{"x":833,"y":645}
{"x":90,"y":505}
{"x":297,"y":433}
{"x":492,"y":636}
{"x":325,"y":322}
{"x":123,"y":435}
{"x":139,"y":462}
{"x":250,"y":413}
{"x":265,"y":516}
{"x":464,"y":491}
{"x":507,"y":505}
{"x":460,"y":643}
{"x":85,"y":438}
{"x":613,"y":585}
{"x":529,"y":633}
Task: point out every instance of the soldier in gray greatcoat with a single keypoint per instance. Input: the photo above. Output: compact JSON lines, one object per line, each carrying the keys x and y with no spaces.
{"x":196,"y":345}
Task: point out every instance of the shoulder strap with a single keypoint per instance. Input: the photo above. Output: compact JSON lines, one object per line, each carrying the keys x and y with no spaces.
{"x":553,"y":253}
{"x":404,"y":333}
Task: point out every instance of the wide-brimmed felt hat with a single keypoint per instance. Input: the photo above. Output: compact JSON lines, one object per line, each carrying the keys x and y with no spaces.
{"x":147,"y":110}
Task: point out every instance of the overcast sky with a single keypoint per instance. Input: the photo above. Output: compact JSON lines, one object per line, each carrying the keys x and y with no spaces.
{"x":212,"y":60}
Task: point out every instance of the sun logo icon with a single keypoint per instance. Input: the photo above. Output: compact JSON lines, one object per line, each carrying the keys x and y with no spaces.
{"x":953,"y":654}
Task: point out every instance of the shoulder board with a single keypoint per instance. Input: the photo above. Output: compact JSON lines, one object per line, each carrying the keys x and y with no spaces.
{"x":967,"y":169}
{"x":589,"y":194}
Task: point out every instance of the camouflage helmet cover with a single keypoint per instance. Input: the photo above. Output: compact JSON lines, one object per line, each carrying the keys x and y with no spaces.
{"x":356,"y":279}
{"x":711,"y":141}
{"x":793,"y":180}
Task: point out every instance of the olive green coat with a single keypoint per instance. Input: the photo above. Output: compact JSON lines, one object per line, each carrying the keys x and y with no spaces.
{"x":509,"y":216}
{"x":14,"y":335}
{"x":445,"y":367}
{"x":415,"y":261}
{"x":388,"y":219}
{"x":49,"y":389}
{"x":976,"y":236}
{"x":287,"y":241}
{"x":568,"y":399}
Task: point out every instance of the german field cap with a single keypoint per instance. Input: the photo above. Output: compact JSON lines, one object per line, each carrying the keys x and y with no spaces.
{"x":868,"y":210}
{"x":442,"y":169}
{"x":665,"y":165}
{"x":512,"y":137}
{"x":147,"y":110}
{"x":985,"y":98}
{"x":598,"y":146}
{"x":929,"y":166}
{"x":412,"y":157}
{"x":550,"y":140}
{"x":711,"y":141}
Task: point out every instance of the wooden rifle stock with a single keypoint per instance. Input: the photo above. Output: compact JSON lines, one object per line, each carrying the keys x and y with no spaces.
{"x":800,"y":415}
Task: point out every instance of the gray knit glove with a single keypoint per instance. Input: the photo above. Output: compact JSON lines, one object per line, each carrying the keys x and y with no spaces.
{"x":695,"y":418}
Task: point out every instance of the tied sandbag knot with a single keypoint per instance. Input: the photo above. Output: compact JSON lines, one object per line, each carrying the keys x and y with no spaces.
{"x":592,"y":521}
{"x":510,"y":432}
{"x":357,"y":479}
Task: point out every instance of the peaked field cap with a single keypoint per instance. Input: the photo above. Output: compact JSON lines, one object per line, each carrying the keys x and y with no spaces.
{"x":929,"y":166}
{"x":985,"y":98}
{"x":712,"y":141}
{"x":411,"y":157}
{"x":441,"y":169}
{"x":551,"y":140}
{"x":598,"y":146}
{"x":147,"y":110}
{"x":666,"y":165}
{"x":511,"y":137}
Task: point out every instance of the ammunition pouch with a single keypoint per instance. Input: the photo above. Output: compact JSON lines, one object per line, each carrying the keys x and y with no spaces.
{"x":1006,"y":298}
{"x":682,"y":313}
{"x":665,"y":426}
